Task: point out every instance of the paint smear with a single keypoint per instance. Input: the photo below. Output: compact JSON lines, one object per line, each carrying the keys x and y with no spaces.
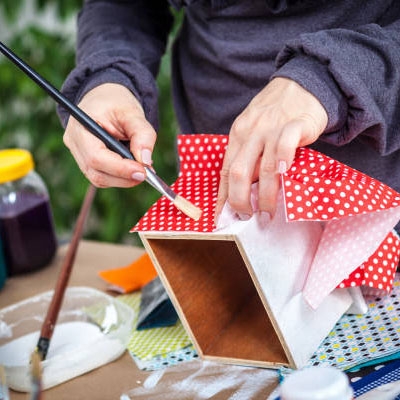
{"x":76,"y":348}
{"x":201,"y":380}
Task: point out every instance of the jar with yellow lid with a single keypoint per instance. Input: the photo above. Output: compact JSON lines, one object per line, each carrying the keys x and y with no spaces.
{"x":26,"y":220}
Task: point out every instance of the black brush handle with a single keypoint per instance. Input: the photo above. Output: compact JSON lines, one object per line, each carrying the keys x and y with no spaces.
{"x":90,"y":124}
{"x":75,"y":111}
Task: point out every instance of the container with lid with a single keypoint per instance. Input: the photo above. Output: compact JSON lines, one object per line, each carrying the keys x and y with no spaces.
{"x":316,"y":383}
{"x":3,"y":267}
{"x":26,"y":221}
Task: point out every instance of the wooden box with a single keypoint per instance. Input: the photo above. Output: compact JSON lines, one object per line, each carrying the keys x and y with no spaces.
{"x":239,"y":298}
{"x":265,"y":292}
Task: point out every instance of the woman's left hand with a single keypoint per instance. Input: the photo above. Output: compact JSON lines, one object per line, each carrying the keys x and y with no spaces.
{"x":263,"y":142}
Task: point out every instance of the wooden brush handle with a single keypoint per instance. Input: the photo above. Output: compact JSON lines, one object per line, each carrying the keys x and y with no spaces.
{"x":63,"y":278}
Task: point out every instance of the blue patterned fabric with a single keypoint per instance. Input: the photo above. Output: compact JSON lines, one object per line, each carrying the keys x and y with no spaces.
{"x":387,"y":374}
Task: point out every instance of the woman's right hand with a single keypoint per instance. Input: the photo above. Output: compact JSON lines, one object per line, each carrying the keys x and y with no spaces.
{"x":117,"y":110}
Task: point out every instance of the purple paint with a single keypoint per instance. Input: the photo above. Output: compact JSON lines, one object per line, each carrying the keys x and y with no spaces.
{"x":27,"y":231}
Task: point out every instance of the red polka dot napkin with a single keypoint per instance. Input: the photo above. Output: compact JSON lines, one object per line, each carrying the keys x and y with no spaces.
{"x":358,"y":212}
{"x":357,"y":247}
{"x":201,"y":157}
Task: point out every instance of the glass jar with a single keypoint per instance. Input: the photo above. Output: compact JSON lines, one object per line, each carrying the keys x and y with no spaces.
{"x":26,"y":221}
{"x":3,"y":267}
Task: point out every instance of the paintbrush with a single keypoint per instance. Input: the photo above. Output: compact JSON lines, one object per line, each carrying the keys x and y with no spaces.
{"x":49,"y":323}
{"x":36,"y":377}
{"x":113,"y":144}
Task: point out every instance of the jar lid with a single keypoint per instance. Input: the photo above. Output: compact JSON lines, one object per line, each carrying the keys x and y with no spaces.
{"x":316,"y":383}
{"x":14,"y":164}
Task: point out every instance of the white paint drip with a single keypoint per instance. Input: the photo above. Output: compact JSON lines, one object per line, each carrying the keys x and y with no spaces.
{"x":5,"y":330}
{"x":153,"y":379}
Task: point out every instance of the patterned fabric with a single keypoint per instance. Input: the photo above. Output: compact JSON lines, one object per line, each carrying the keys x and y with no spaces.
{"x":156,"y":309}
{"x":357,"y":339}
{"x":381,"y":376}
{"x":166,"y":360}
{"x":157,"y":347}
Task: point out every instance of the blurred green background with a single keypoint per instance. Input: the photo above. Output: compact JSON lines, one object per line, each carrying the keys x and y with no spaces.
{"x":42,"y":32}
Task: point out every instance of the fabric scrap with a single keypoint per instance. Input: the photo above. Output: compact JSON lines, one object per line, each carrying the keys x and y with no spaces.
{"x":153,"y":344}
{"x":131,"y":277}
{"x":156,"y":308}
{"x":386,"y":374}
{"x":357,"y":339}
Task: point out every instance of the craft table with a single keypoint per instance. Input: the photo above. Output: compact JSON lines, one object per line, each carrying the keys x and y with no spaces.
{"x":111,"y":380}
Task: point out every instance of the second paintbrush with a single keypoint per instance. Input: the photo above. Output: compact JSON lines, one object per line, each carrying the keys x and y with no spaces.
{"x":113,"y":144}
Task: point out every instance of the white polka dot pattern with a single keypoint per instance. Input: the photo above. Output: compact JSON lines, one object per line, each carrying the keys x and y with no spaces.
{"x":358,"y":210}
{"x":344,"y":247}
{"x":319,"y":188}
{"x":380,"y":268}
{"x":201,"y":158}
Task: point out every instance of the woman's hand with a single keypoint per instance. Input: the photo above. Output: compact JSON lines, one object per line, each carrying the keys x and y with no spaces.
{"x":263,"y":141}
{"x":116,"y":109}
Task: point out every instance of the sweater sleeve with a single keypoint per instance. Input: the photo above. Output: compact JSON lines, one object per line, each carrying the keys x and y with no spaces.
{"x":120,"y":42}
{"x":356,"y":76}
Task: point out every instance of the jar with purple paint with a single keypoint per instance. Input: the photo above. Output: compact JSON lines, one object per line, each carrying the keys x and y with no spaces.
{"x":26,"y":220}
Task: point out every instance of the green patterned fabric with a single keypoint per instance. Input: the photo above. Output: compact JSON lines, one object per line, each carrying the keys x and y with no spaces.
{"x":155,"y":343}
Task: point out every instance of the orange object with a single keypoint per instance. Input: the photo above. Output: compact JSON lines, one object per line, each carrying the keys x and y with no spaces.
{"x":131,"y":277}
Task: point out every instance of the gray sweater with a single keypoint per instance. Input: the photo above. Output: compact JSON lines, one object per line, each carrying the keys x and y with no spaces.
{"x":345,"y":52}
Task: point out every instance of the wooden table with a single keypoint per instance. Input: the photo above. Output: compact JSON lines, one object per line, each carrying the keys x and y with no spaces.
{"x":91,"y":258}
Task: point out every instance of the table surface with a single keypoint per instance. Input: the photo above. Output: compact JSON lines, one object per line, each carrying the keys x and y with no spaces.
{"x":91,"y":258}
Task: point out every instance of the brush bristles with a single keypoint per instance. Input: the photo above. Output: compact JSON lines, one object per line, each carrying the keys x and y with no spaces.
{"x":36,"y":376}
{"x":36,"y":369}
{"x":3,"y":381}
{"x":187,"y":208}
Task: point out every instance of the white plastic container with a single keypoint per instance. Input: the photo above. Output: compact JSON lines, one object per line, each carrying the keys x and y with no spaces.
{"x":92,"y":330}
{"x":316,"y":383}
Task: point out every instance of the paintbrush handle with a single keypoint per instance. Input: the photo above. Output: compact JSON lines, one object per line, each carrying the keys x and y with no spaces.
{"x":52,"y":312}
{"x":90,"y":124}
{"x":75,"y":111}
{"x":93,"y":127}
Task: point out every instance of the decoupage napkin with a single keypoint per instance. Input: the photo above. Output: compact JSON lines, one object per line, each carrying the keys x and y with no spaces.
{"x":358,"y":213}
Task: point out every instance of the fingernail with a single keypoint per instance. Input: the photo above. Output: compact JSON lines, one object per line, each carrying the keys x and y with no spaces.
{"x":244,"y":216}
{"x":146,"y":157}
{"x":282,"y":167}
{"x":138,"y":176}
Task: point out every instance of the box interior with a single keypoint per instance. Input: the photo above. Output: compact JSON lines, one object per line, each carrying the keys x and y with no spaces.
{"x":218,"y":300}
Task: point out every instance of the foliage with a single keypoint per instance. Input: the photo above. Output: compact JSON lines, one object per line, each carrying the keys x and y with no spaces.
{"x":12,"y":8}
{"x":28,"y":119}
